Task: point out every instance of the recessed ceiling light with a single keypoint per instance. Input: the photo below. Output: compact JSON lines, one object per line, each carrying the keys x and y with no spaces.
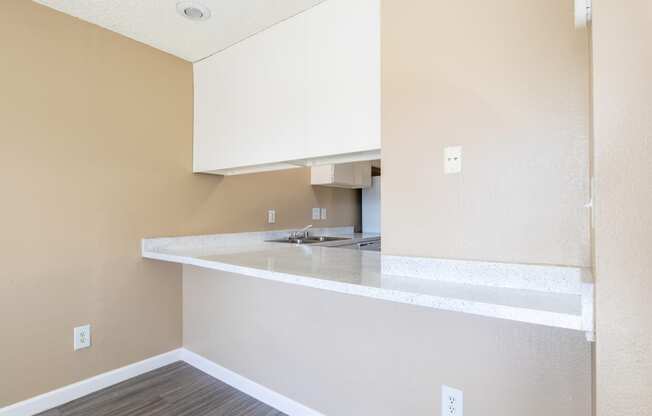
{"x":193,"y":10}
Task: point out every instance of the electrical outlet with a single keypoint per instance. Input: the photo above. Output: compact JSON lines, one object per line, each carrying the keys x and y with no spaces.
{"x":316,"y":213}
{"x":82,"y":337}
{"x":452,"y":402}
{"x":323,"y":214}
{"x":453,"y":159}
{"x":271,"y":216}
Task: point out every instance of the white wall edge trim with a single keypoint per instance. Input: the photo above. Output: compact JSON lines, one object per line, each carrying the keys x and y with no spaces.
{"x":82,"y":388}
{"x":253,"y":389}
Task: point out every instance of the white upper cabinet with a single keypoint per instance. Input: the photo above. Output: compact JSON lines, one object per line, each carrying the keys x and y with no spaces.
{"x":303,"y":92}
{"x":343,"y":77}
{"x":356,"y":175}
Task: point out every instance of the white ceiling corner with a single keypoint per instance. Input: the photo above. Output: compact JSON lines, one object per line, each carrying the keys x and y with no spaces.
{"x":157,"y":22}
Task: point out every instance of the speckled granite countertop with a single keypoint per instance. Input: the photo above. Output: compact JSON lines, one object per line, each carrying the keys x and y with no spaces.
{"x":545,"y":295}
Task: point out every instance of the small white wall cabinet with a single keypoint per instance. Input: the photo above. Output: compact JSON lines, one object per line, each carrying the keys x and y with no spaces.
{"x":303,"y":92}
{"x":355,"y":175}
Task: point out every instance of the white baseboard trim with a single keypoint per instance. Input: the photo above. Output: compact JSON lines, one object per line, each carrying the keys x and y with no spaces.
{"x":74,"y":391}
{"x":253,"y":389}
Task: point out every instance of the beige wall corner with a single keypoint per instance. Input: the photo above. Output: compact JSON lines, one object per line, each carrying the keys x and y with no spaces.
{"x":622,"y":59}
{"x":507,"y":80}
{"x":96,"y":139}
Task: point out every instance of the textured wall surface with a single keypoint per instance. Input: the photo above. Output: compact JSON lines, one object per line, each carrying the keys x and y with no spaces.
{"x":351,"y":356}
{"x":622,"y":58}
{"x":509,"y":81}
{"x":96,"y":153}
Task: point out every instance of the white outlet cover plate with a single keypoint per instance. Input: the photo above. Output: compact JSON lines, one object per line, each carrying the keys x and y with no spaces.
{"x":316,"y":213}
{"x":82,"y":337}
{"x":453,"y":159}
{"x":323,"y":214}
{"x":452,"y":401}
{"x":271,"y":216}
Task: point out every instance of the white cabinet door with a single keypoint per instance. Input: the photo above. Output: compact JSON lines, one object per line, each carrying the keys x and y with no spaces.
{"x":250,"y":101}
{"x":355,"y":175}
{"x":343,"y":77}
{"x":306,"y":89}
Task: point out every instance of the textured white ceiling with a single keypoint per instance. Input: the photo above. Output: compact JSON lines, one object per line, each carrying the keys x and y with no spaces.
{"x":158,"y":24}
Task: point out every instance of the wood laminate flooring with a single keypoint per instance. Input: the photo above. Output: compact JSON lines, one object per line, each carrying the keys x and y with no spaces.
{"x":174,"y":390}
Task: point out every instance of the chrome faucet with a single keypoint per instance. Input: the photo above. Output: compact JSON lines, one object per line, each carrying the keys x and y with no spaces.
{"x":301,"y":234}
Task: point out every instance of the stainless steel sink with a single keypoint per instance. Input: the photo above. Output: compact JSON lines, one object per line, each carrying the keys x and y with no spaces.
{"x":309,"y":240}
{"x":294,"y":241}
{"x":324,"y":239}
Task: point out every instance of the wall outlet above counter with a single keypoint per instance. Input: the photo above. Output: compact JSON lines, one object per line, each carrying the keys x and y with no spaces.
{"x":319,"y":214}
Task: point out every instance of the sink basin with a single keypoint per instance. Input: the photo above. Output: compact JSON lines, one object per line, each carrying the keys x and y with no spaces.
{"x":323,"y":239}
{"x":295,"y":241}
{"x":310,"y":240}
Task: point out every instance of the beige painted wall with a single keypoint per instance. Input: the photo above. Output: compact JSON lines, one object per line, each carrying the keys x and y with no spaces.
{"x":348,"y":355}
{"x":622,"y":57}
{"x":509,"y":81}
{"x":96,"y":153}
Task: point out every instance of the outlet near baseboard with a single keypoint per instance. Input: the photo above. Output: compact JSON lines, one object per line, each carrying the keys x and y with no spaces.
{"x":82,"y":337}
{"x":452,"y":402}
